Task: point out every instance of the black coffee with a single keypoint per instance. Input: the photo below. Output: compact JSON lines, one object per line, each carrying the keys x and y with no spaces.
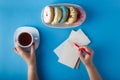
{"x":25,"y":39}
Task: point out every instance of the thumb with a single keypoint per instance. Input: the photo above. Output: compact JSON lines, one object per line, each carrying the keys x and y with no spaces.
{"x":32,"y":49}
{"x":81,"y":56}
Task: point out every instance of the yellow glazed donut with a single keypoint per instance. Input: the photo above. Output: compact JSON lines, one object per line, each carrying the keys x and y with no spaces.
{"x":48,"y":14}
{"x":57,"y":16}
{"x":72,"y":16}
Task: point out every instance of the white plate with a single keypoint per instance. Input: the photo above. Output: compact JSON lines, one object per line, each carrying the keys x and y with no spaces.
{"x":64,"y":25}
{"x":29,"y":29}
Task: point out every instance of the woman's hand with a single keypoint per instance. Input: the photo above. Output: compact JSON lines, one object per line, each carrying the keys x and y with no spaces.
{"x":87,"y":59}
{"x":29,"y":57}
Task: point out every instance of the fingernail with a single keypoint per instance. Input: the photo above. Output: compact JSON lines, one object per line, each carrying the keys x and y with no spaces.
{"x":14,"y":48}
{"x":84,"y":56}
{"x":33,"y":44}
{"x":80,"y":51}
{"x":16,"y":40}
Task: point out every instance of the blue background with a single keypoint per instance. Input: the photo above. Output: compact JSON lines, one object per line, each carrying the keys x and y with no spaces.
{"x":102,"y":26}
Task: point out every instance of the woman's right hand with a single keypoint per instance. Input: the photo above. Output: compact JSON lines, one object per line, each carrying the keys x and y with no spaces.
{"x":86,"y":59}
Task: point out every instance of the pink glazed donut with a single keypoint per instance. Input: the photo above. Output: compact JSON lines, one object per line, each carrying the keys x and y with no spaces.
{"x":80,"y":17}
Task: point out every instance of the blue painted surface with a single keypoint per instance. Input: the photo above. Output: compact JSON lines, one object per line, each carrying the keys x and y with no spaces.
{"x":102,"y":26}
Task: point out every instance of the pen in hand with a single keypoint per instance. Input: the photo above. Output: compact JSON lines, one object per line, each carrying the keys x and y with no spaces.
{"x":81,"y":49}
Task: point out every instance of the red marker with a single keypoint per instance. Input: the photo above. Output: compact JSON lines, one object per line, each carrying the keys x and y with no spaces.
{"x":82,"y":49}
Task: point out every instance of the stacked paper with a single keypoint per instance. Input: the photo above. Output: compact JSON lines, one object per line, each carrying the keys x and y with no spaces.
{"x":67,"y":53}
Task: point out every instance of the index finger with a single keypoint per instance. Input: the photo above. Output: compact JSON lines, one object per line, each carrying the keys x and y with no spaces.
{"x":88,"y":49}
{"x":19,"y":49}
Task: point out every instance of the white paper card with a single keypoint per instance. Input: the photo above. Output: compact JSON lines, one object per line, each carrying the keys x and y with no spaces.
{"x":79,"y":37}
{"x":67,"y":53}
{"x":59,"y":49}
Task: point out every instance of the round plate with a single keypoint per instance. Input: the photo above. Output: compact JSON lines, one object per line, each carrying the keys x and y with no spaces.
{"x":29,"y":29}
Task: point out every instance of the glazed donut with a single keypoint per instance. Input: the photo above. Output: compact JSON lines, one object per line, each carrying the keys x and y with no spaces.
{"x":48,"y":14}
{"x":57,"y":16}
{"x":64,"y":14}
{"x":72,"y":16}
{"x":80,"y":17}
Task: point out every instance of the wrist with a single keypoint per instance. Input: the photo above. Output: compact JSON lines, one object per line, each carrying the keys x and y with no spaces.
{"x":31,"y":66}
{"x":89,"y":65}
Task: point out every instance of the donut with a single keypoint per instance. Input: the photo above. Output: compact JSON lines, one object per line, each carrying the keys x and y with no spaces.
{"x":64,"y":14}
{"x":48,"y":14}
{"x":72,"y":16}
{"x":57,"y":16}
{"x":80,"y":17}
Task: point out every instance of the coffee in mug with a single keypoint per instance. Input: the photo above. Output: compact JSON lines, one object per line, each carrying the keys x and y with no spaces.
{"x":25,"y":39}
